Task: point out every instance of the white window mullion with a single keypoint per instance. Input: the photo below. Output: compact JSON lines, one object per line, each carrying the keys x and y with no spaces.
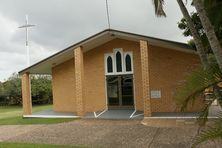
{"x":123,"y":62}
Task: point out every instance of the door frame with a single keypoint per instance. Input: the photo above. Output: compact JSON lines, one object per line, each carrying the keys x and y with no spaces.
{"x":120,"y":106}
{"x":124,"y":72}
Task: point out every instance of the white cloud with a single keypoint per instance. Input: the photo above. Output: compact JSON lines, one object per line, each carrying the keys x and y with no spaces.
{"x":60,"y":23}
{"x":13,"y":54}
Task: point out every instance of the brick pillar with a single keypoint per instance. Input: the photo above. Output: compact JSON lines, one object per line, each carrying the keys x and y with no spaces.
{"x":26,"y":94}
{"x":145,"y":77}
{"x":78,"y":59}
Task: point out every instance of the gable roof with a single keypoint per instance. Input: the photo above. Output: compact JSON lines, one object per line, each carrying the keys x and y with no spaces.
{"x":44,"y":66}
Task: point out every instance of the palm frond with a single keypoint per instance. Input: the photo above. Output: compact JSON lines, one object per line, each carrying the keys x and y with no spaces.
{"x":211,"y":133}
{"x":195,"y":84}
{"x":202,"y":119}
{"x":217,"y":122}
{"x":158,"y":5}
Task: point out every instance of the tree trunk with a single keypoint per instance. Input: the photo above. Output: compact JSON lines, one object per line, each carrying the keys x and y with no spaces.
{"x":209,"y":30}
{"x":199,"y":45}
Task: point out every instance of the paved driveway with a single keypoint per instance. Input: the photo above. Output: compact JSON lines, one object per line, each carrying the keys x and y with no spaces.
{"x":101,"y":133}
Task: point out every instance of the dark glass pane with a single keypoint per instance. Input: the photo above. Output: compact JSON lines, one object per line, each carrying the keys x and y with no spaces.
{"x":109,"y":64}
{"x":120,"y":90}
{"x":118,"y":62}
{"x":128,"y":63}
{"x":112,"y":90}
{"x":127,"y":90}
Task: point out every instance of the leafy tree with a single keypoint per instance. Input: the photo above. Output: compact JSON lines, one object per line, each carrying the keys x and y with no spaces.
{"x":10,"y":90}
{"x":205,"y":21}
{"x":2,"y":95}
{"x":215,"y":15}
{"x":209,"y":30}
{"x":158,"y":4}
{"x":1,"y":88}
{"x":41,"y":89}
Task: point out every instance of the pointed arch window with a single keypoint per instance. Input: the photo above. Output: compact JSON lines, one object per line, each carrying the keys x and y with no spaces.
{"x":109,"y":65}
{"x":118,"y":62}
{"x":128,"y":63}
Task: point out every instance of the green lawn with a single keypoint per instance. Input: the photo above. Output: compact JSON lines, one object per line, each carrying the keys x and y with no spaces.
{"x":23,"y":145}
{"x":12,"y":115}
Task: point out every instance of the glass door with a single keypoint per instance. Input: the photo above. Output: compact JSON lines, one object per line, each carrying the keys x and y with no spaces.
{"x":127,"y":90}
{"x":112,"y":90}
{"x":120,"y":91}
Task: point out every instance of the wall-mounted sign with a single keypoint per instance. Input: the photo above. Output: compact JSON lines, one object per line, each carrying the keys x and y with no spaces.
{"x":155,"y":94}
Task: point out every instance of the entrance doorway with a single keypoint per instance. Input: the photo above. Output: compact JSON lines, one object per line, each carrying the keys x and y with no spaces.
{"x":120,"y":91}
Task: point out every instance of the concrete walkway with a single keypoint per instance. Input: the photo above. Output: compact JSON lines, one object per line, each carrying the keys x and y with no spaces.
{"x":115,"y":114}
{"x":121,"y":114}
{"x":52,"y":113}
{"x":106,"y":114}
{"x":103,"y":133}
{"x":49,"y":113}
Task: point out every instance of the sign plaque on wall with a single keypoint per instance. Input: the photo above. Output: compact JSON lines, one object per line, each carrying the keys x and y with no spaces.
{"x":155,"y":94}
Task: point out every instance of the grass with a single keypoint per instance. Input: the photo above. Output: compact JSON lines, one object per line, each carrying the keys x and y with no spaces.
{"x":23,"y":145}
{"x":12,"y":115}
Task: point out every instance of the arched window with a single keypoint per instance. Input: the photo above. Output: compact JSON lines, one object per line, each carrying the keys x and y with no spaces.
{"x":118,"y":62}
{"x":109,"y":63}
{"x":128,"y":63}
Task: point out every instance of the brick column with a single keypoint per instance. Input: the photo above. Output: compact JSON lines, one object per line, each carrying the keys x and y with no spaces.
{"x":78,"y":59}
{"x":145,"y":77}
{"x":26,"y":94}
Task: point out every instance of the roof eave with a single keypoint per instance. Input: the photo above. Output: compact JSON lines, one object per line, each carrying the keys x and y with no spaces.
{"x":111,"y":31}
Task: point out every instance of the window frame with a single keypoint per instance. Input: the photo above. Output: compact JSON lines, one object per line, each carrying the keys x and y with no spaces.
{"x":123,"y":56}
{"x":105,"y":62}
{"x":130,"y":53}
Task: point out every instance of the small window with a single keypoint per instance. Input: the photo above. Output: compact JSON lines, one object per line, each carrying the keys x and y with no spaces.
{"x":109,"y":64}
{"x":118,"y":62}
{"x":128,"y":63}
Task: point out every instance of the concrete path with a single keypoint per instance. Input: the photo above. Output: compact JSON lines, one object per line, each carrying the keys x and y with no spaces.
{"x":102,"y":133}
{"x":116,"y":114}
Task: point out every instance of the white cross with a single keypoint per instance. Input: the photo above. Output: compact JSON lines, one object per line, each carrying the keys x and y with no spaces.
{"x":26,"y":26}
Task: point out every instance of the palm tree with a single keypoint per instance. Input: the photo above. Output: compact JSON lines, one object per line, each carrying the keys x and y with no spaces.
{"x":197,"y":40}
{"x":214,"y":43}
{"x":203,"y":79}
{"x":209,"y":30}
{"x":199,"y":44}
{"x":193,"y":88}
{"x":200,"y":47}
{"x":158,"y":4}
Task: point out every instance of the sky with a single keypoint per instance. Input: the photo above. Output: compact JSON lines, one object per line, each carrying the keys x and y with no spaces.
{"x":61,"y":23}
